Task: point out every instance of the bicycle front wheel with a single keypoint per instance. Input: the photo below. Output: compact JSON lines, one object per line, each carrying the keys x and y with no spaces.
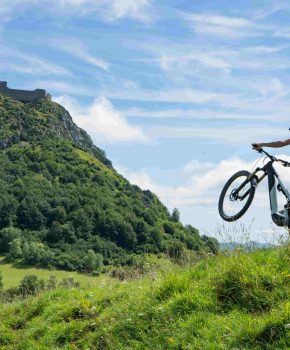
{"x":236,"y":196}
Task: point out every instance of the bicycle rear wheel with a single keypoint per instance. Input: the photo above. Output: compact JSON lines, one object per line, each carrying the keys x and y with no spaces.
{"x":232,"y":203}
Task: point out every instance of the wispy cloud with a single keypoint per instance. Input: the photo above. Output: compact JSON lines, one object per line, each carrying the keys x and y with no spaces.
{"x":170,"y":95}
{"x":202,"y":114}
{"x":213,"y":24}
{"x":77,"y":49}
{"x":106,"y":10}
{"x":234,"y":135}
{"x":21,"y":62}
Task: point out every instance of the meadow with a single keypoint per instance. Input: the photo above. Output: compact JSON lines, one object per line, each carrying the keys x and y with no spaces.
{"x":13,"y":275}
{"x":231,"y":301}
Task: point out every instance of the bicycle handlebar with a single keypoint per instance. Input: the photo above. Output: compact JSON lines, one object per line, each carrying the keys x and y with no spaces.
{"x":273,"y":159}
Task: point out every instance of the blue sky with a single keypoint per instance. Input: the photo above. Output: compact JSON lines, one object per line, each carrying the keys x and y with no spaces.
{"x":173,"y":91}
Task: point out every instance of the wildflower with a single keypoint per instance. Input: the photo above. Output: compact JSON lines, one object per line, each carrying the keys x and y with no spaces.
{"x":170,"y":339}
{"x":287,"y":326}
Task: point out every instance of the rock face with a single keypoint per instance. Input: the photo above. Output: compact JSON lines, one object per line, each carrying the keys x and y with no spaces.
{"x":39,"y":120}
{"x":22,"y":95}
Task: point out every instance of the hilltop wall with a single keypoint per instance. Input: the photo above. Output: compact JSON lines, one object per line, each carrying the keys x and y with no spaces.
{"x":22,"y":95}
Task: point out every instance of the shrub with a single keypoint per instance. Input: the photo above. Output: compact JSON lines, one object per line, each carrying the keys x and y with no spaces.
{"x":69,"y":283}
{"x":31,"y":285}
{"x":51,"y":283}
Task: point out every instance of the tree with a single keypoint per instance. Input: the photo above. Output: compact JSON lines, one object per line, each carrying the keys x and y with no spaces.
{"x":7,"y":209}
{"x":7,"y":235}
{"x":33,"y":252}
{"x":90,"y":260}
{"x":29,"y":215}
{"x":15,"y":250}
{"x":175,"y":216}
{"x":93,"y":261}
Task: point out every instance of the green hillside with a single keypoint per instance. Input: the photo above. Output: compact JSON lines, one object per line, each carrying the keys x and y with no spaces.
{"x":62,"y":203}
{"x":238,"y":301}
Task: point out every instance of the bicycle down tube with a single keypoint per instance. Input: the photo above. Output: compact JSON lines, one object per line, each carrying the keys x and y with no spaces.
{"x":268,"y":169}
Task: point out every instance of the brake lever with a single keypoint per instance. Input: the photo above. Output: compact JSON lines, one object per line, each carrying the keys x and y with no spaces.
{"x":286,"y":164}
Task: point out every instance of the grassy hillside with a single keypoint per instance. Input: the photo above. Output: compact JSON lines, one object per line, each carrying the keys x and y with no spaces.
{"x":238,"y":301}
{"x":63,"y":204}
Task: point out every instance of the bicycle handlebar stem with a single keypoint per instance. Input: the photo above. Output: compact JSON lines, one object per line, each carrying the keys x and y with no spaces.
{"x":274,"y":159}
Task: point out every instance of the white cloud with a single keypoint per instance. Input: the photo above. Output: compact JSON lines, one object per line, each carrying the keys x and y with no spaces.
{"x":55,"y":86}
{"x":79,"y":50}
{"x":103,"y":121}
{"x":224,"y":21}
{"x":21,"y":62}
{"x":236,"y":135}
{"x":226,"y":26}
{"x":197,"y":166}
{"x":135,"y":9}
{"x":198,"y":189}
{"x":211,"y":60}
{"x":217,"y":25}
{"x":107,"y":10}
{"x":205,"y":114}
{"x":204,"y":182}
{"x":172,"y":95}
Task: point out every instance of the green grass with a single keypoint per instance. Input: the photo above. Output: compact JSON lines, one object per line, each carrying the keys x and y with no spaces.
{"x":13,"y":275}
{"x":229,"y":302}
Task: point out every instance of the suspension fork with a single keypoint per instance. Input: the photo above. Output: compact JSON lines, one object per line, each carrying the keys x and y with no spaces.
{"x":255,"y":180}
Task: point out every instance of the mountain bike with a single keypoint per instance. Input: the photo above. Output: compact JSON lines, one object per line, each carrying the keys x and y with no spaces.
{"x":238,"y":193}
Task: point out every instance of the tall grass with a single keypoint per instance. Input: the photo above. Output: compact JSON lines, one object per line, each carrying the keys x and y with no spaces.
{"x":230,"y":301}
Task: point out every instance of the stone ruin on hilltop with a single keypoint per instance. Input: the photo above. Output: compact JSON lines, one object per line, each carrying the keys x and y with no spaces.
{"x":22,"y":95}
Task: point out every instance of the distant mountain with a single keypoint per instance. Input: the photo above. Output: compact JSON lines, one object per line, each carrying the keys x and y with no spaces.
{"x":63,"y":204}
{"x":249,"y":246}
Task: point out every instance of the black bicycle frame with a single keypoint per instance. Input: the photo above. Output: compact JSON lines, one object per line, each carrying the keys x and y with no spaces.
{"x":273,"y":178}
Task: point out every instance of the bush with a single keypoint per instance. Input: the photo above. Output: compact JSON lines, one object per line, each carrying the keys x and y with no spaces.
{"x":31,"y":285}
{"x":69,"y":283}
{"x":119,"y":273}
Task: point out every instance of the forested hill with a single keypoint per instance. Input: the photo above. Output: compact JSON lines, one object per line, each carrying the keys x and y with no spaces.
{"x":63,"y":204}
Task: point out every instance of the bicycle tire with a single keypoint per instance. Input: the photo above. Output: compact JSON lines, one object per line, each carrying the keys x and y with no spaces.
{"x":250,"y":197}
